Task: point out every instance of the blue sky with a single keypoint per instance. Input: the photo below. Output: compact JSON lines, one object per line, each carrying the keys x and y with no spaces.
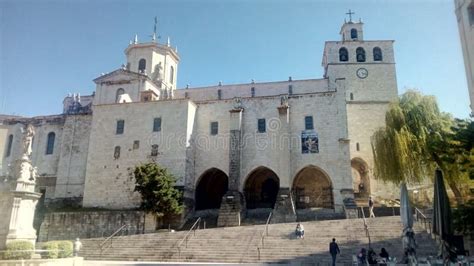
{"x":51,"y":48}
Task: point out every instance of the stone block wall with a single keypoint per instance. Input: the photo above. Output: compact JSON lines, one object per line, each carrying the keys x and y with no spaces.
{"x":89,"y":224}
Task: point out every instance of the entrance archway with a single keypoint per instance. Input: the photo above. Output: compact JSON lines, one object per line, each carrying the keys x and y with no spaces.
{"x":312,"y":188}
{"x":212,"y":186}
{"x":261,"y":188}
{"x":360,"y":177}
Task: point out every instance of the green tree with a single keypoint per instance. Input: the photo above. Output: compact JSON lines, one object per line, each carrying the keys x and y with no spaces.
{"x":417,"y":139}
{"x":157,"y":189}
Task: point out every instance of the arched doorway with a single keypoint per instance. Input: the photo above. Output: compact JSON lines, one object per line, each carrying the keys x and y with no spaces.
{"x":261,"y":188}
{"x":360,"y":177}
{"x":212,"y":186}
{"x":312,"y":188}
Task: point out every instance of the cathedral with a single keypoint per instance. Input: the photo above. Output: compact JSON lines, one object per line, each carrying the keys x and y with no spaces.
{"x":293,"y":146}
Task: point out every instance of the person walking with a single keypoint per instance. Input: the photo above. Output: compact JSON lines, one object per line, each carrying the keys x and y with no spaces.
{"x":371,"y":208}
{"x":334,"y":250}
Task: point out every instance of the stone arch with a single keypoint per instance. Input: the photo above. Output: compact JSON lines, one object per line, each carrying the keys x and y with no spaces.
{"x":312,"y":188}
{"x":210,"y":189}
{"x":360,"y":177}
{"x":261,"y":188}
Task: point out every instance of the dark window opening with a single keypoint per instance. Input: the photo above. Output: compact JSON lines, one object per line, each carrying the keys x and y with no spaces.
{"x":119,"y":92}
{"x":9,"y":146}
{"x":141,"y":66}
{"x":343,"y":55}
{"x":470,"y":12}
{"x":50,"y":143}
{"x":117,"y":152}
{"x":290,"y":89}
{"x":352,"y":96}
{"x":157,"y":124}
{"x":252,"y":92}
{"x":136,"y":144}
{"x":308,"y":122}
{"x":219,"y":94}
{"x":360,"y":52}
{"x":353,"y":34}
{"x":120,"y":127}
{"x":214,"y":128}
{"x":377,"y":54}
{"x":357,"y":146}
{"x":261,"y":125}
{"x":154,"y":150}
{"x":171,"y":74}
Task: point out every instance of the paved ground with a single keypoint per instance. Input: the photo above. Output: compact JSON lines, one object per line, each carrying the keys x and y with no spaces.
{"x":148,"y":263}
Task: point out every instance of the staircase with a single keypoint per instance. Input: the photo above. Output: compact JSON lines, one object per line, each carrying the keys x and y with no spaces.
{"x":239,"y":244}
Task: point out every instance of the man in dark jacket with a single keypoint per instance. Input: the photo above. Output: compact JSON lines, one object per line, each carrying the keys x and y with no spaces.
{"x":334,"y":250}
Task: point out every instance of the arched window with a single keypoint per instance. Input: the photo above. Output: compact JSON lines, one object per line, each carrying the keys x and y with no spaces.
{"x":172,"y":75}
{"x":50,"y":143}
{"x":120,"y":91}
{"x":141,"y":65}
{"x":9,"y":145}
{"x":343,"y":55}
{"x":352,"y":96}
{"x":353,"y":34}
{"x":377,"y":54}
{"x":360,"y":52}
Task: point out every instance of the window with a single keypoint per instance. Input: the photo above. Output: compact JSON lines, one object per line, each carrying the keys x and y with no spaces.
{"x":290,"y":89}
{"x":119,"y":92}
{"x":252,"y":91}
{"x":352,"y":96}
{"x":357,"y":146}
{"x":360,"y":52}
{"x":171,"y":74}
{"x":186,"y":96}
{"x":9,"y":145}
{"x":353,"y":34}
{"x":50,"y":143}
{"x":136,"y":144}
{"x":377,"y":54}
{"x":120,"y":127}
{"x":154,"y":150}
{"x":470,"y":13}
{"x":117,"y":152}
{"x":141,"y":65}
{"x":157,"y":124}
{"x":261,"y":125}
{"x":343,"y":55}
{"x":214,"y":128}
{"x":219,"y":94}
{"x":308,"y":122}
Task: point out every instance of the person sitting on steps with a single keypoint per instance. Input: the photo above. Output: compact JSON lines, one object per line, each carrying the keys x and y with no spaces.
{"x":299,"y":231}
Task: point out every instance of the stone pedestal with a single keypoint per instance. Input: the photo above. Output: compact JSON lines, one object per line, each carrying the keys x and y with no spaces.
{"x":17,"y":204}
{"x":230,"y":213}
{"x":284,"y":210}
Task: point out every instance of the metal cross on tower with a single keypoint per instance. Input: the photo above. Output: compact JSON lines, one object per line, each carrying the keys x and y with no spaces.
{"x":350,"y":13}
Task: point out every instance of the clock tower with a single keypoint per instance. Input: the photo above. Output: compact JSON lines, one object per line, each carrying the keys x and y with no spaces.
{"x":366,"y":68}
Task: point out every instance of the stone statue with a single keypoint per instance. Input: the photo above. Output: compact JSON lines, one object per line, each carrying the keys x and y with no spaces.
{"x":238,"y":103}
{"x":33,"y":173}
{"x":28,"y":135}
{"x":159,"y":72}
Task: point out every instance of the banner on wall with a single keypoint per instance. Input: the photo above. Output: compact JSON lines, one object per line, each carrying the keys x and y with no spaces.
{"x":309,"y":141}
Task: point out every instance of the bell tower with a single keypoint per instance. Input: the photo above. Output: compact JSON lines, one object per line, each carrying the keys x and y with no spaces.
{"x":156,"y":60}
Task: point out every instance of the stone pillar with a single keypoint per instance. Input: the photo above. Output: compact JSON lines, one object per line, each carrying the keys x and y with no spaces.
{"x":284,"y":211}
{"x":17,"y":204}
{"x":232,"y":202}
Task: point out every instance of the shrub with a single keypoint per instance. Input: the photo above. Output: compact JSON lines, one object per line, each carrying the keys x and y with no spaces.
{"x":19,"y":249}
{"x":65,"y":249}
{"x":51,"y":250}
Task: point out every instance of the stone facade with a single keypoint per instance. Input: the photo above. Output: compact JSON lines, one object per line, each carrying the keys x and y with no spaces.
{"x":464,"y":10}
{"x":265,"y":139}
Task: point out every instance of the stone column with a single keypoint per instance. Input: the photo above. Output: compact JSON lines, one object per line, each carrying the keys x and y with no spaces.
{"x":18,"y":199}
{"x":284,"y":210}
{"x":233,"y":201}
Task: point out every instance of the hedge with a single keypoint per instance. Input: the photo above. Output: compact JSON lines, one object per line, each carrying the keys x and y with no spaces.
{"x":57,"y":249}
{"x":18,"y":249}
{"x":51,"y":250}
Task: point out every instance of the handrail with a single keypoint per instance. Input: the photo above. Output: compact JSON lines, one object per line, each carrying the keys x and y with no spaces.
{"x":425,"y":220}
{"x":264,"y":233}
{"x":366,"y":227}
{"x":102,"y":245}
{"x":186,"y":237}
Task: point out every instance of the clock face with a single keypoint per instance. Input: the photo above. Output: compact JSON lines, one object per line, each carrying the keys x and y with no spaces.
{"x":362,"y":73}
